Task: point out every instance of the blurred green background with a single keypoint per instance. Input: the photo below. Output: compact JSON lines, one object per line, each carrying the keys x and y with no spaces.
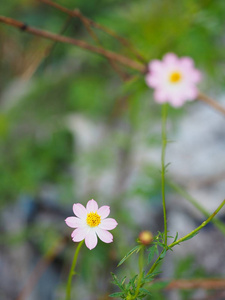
{"x":70,"y":126}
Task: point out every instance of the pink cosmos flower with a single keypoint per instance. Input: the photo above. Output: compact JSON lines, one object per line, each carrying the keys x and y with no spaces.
{"x":90,"y":223}
{"x":174,"y":79}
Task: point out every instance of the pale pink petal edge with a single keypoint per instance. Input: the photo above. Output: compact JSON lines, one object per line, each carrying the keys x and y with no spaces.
{"x":80,"y":211}
{"x":92,"y":206}
{"x":91,"y":240}
{"x":104,"y":211}
{"x":108,"y":224}
{"x":104,"y":235}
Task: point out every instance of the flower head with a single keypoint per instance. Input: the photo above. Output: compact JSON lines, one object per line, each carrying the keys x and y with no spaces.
{"x":145,"y":237}
{"x":91,"y":222}
{"x":174,"y":79}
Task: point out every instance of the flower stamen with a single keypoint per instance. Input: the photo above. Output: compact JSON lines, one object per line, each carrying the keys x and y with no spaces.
{"x":93,"y":219}
{"x":175,"y":77}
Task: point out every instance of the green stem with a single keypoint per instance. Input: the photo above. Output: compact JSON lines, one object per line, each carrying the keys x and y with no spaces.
{"x":141,"y":266}
{"x":199,"y":227}
{"x":188,"y":235}
{"x":164,"y":143}
{"x":72,"y":271}
{"x":220,"y":225}
{"x":154,"y":265}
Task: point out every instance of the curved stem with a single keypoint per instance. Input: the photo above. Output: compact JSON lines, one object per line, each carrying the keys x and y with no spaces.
{"x":188,"y":235}
{"x":164,"y":143}
{"x":154,"y":265}
{"x":199,"y":227}
{"x":72,"y":271}
{"x":219,"y":224}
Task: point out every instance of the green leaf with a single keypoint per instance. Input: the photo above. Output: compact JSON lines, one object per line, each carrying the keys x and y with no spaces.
{"x":123,"y":280}
{"x":132,"y":282}
{"x":176,"y":237}
{"x":161,"y":244}
{"x":162,"y":255}
{"x":117,"y":295}
{"x":191,"y":236}
{"x":152,"y":250}
{"x":150,"y":277}
{"x":135,"y":249}
{"x":117,"y":282}
{"x":144,"y":291}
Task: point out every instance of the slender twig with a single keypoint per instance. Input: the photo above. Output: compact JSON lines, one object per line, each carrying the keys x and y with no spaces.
{"x":192,"y":233}
{"x":87,"y":21}
{"x":189,"y":284}
{"x":55,"y":37}
{"x":41,"y":267}
{"x":219,"y":224}
{"x":199,"y":227}
{"x":94,"y":36}
{"x":211,"y":102}
{"x":39,"y":56}
{"x":142,"y":68}
{"x":163,"y":171}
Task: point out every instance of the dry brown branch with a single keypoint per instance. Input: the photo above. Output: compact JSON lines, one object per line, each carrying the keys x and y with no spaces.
{"x":115,"y":57}
{"x":41,"y":267}
{"x":38,"y":55}
{"x":89,"y":22}
{"x":211,"y":102}
{"x":55,"y":37}
{"x":189,"y":284}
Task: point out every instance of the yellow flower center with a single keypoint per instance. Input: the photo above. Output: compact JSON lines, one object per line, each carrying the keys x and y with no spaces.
{"x":93,"y":219}
{"x":175,"y":77}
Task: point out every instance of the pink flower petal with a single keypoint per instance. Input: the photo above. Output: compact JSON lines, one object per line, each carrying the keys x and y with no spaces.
{"x":155,"y":66}
{"x":152,"y":80}
{"x":91,"y":239}
{"x":108,"y":224}
{"x":191,"y":93}
{"x":79,"y":210}
{"x":73,"y":222}
{"x":92,"y":206}
{"x":104,"y":211}
{"x":175,"y":92}
{"x":79,"y":234}
{"x":187,"y":62}
{"x":170,"y":59}
{"x":196,"y":76}
{"x":104,"y":235}
{"x":160,"y":96}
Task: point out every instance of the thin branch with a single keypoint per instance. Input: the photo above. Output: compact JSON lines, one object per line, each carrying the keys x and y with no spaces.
{"x":55,"y":37}
{"x":189,"y":284}
{"x":99,"y":50}
{"x":196,"y":230}
{"x":87,"y":21}
{"x":188,"y":236}
{"x":41,"y":267}
{"x":39,"y":56}
{"x":211,"y":102}
{"x":219,"y":224}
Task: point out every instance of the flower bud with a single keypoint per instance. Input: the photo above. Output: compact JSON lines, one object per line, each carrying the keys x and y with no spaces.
{"x":145,"y":237}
